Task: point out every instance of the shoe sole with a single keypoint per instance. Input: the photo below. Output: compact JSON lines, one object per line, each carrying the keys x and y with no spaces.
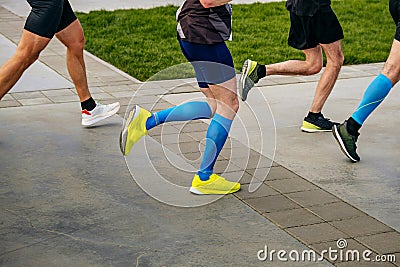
{"x":242,"y":80}
{"x":197,"y":192}
{"x":124,"y":133}
{"x":100,"y":117}
{"x":336,"y":134}
{"x":314,"y":130}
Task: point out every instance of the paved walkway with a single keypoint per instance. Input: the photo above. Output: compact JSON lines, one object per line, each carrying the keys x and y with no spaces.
{"x":67,"y":198}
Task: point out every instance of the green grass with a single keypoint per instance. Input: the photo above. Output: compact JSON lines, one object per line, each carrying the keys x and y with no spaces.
{"x":143,"y":42}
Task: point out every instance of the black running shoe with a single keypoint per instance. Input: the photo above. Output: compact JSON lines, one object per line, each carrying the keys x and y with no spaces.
{"x":347,"y":142}
{"x":320,"y":124}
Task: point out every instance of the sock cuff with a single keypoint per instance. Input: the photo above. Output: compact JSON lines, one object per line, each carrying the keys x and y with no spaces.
{"x":385,"y":79}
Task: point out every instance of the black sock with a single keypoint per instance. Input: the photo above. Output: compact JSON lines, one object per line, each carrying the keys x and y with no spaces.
{"x":262,"y":71}
{"x":353,"y":127}
{"x":314,"y":116}
{"x":89,"y":104}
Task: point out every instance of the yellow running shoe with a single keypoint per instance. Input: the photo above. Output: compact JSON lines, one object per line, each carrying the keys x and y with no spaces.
{"x":134,"y":129}
{"x":216,"y":185}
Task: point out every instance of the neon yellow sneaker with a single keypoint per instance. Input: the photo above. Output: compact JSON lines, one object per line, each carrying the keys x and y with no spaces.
{"x":248,"y":78}
{"x":216,"y":185}
{"x":134,"y":129}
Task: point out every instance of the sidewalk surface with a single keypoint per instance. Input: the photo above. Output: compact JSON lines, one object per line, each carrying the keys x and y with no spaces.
{"x":67,"y":197}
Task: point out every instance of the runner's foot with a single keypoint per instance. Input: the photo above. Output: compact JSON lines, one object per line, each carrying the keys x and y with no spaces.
{"x":100,"y":112}
{"x":346,"y":141}
{"x":216,"y":185}
{"x":134,"y":129}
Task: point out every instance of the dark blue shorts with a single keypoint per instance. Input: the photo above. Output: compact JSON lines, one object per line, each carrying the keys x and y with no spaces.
{"x":212,"y":63}
{"x":48,"y":17}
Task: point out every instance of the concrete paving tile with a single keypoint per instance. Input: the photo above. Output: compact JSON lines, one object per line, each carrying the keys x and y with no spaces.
{"x":366,"y":264}
{"x":224,"y":165}
{"x":123,"y":94}
{"x":195,"y":127}
{"x":112,"y":78}
{"x":27,"y":95}
{"x":146,"y":99}
{"x":64,"y":98}
{"x":142,"y":90}
{"x":56,"y":62}
{"x":184,"y":147}
{"x":160,"y":106}
{"x":351,"y":244}
{"x":200,"y":136}
{"x":271,"y":203}
{"x":280,"y":172}
{"x":316,"y":233}
{"x":96,"y":90}
{"x":102,"y":96}
{"x":9,"y":103}
{"x":336,"y":211}
{"x":285,"y":79}
{"x":7,"y":97}
{"x":192,"y":157}
{"x":261,"y":174}
{"x":122,"y":100}
{"x":172,"y":138}
{"x":354,"y":75}
{"x":292,"y":218}
{"x":162,"y":129}
{"x":360,"y":226}
{"x":291,"y":185}
{"x":116,"y":88}
{"x":244,"y":177}
{"x":265,"y":82}
{"x":183,"y":89}
{"x":311,"y":78}
{"x":383,"y":243}
{"x":58,"y":92}
{"x":352,"y":253}
{"x":35,"y":101}
{"x":313,"y":197}
{"x":251,"y":162}
{"x":397,"y":261}
{"x":262,"y":191}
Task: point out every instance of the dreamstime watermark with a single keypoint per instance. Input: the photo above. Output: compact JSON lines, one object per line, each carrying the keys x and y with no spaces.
{"x":338,"y":254}
{"x":163,"y":167}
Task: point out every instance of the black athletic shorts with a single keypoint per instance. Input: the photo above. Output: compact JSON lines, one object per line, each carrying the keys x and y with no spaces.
{"x":309,"y":31}
{"x":394,"y":7}
{"x":48,"y":17}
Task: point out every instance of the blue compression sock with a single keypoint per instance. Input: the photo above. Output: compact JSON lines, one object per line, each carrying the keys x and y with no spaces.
{"x":185,"y":112}
{"x":216,"y":136}
{"x":376,"y":92}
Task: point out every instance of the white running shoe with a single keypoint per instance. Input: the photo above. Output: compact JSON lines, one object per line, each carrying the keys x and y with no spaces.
{"x":100,"y":112}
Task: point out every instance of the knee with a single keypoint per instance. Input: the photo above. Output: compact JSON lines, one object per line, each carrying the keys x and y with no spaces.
{"x":337,"y":62}
{"x":314,"y":68}
{"x":77,"y":45}
{"x":234,"y":104}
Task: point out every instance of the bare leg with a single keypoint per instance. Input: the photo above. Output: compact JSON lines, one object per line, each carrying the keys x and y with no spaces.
{"x":210,"y":99}
{"x":392,"y":67}
{"x":72,"y":37}
{"x":27,"y":53}
{"x":334,"y":56}
{"x":310,"y":66}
